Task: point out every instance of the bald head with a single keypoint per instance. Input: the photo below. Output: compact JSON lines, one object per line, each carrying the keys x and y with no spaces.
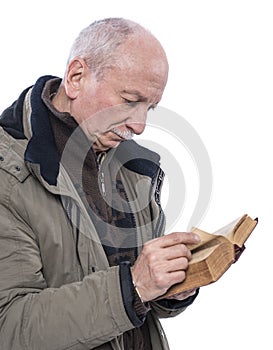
{"x":115,"y":42}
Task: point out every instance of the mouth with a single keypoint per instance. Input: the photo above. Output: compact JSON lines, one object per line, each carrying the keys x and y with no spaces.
{"x":123,"y":135}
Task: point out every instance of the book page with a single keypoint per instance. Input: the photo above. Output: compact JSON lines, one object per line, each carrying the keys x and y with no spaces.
{"x":204,"y":250}
{"x":229,"y":230}
{"x":226,"y":231}
{"x":204,"y":236}
{"x":243,"y":231}
{"x":235,"y":232}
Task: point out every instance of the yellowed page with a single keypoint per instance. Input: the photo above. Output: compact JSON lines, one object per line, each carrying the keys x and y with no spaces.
{"x":229,"y":230}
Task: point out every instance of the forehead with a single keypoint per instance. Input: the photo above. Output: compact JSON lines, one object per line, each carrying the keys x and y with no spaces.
{"x":142,"y":55}
{"x":139,"y":64}
{"x":144,"y":73}
{"x":143,"y":84}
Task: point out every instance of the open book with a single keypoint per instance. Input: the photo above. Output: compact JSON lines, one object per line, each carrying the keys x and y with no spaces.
{"x":216,"y":252}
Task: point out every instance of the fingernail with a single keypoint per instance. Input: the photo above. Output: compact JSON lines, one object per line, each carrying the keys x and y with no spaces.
{"x":196,"y":238}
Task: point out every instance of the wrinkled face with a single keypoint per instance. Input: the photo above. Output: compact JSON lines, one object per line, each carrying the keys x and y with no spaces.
{"x":114,"y":108}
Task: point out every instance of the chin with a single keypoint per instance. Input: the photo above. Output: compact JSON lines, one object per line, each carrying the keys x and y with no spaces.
{"x":107,"y":145}
{"x":113,"y":144}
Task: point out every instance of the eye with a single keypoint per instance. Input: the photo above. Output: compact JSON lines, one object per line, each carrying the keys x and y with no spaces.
{"x":129,"y":102}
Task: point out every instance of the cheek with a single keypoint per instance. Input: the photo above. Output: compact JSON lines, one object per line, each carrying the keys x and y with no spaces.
{"x":98,"y":113}
{"x":109,"y":117}
{"x":82,"y":109}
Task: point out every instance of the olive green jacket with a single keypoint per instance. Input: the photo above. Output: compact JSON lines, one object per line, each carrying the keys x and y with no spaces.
{"x":57,"y":290}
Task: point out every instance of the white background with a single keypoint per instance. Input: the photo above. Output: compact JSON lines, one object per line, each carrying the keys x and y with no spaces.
{"x":221,"y":76}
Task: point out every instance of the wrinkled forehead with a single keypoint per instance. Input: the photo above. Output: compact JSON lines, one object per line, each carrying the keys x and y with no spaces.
{"x":147,"y":76}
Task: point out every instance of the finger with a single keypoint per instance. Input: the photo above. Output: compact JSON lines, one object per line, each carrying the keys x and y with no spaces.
{"x":183,"y":295}
{"x":176,"y":251}
{"x":174,"y":238}
{"x":170,"y":266}
{"x":179,"y":264}
{"x":176,"y":277}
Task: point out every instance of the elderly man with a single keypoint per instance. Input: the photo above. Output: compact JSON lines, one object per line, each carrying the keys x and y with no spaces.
{"x":82,"y":247}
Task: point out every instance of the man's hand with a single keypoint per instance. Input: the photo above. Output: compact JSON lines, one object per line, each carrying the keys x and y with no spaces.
{"x":162,"y":263}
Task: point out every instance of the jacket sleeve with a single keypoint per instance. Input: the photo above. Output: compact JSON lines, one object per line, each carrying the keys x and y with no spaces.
{"x":76,"y":316}
{"x":169,"y":308}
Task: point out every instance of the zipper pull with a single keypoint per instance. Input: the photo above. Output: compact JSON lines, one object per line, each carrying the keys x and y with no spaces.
{"x":100,"y":159}
{"x":102,"y":183}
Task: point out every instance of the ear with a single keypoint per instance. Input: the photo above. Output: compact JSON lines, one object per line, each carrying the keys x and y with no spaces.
{"x":74,"y":76}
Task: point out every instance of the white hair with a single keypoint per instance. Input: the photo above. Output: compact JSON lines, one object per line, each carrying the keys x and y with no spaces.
{"x":97,"y":42}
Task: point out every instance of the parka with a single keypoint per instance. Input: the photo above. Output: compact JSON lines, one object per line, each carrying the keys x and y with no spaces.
{"x":57,"y":290}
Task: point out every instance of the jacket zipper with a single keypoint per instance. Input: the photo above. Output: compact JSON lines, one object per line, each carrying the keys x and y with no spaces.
{"x":100,"y":159}
{"x":102,"y":183}
{"x":161,"y":220}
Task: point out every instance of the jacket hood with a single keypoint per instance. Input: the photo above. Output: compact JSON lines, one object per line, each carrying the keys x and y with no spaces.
{"x":11,"y":119}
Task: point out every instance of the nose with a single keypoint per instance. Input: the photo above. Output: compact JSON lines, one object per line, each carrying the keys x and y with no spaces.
{"x":136,"y":127}
{"x":137,"y":120}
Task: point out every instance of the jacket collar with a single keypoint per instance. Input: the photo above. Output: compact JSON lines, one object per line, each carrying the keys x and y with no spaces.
{"x":41,"y":148}
{"x":136,"y":158}
{"x":41,"y":152}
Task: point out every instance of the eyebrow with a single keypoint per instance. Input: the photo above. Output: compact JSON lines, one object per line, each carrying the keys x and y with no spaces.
{"x":140,"y":97}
